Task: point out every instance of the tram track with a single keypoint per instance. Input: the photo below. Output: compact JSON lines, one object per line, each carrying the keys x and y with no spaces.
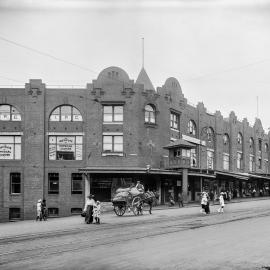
{"x":84,"y":240}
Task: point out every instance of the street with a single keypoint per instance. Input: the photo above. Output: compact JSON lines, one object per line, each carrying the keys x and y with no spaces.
{"x":169,"y":239}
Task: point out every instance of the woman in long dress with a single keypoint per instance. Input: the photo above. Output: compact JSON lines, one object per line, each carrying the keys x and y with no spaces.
{"x":88,"y":209}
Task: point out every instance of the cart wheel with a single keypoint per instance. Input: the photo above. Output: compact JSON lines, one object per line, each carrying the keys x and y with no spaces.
{"x":137,"y":206}
{"x":119,"y":210}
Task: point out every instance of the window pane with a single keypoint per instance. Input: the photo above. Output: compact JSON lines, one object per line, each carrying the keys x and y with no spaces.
{"x":107,"y":139}
{"x":118,"y":139}
{"x":107,"y":109}
{"x":16,"y":117}
{"x":118,"y":109}
{"x":52,"y":139}
{"x":107,"y":118}
{"x":55,"y":117}
{"x":18,"y":139}
{"x":107,"y":147}
{"x":17,"y":151}
{"x":66,"y":113}
{"x":78,"y":139}
{"x":79,"y":152}
{"x":52,"y":152}
{"x":118,"y":117}
{"x":76,"y":115}
{"x":6,"y":139}
{"x":118,"y":147}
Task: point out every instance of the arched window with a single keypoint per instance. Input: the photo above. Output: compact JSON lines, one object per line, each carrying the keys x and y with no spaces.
{"x":65,"y":113}
{"x":149,"y":114}
{"x":191,"y":128}
{"x":210,"y":134}
{"x":9,"y":113}
{"x":239,"y":138}
{"x":266,"y":148}
{"x":251,"y":143}
{"x":225,"y":139}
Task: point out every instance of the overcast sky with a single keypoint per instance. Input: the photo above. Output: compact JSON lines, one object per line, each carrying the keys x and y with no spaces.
{"x":219,"y":50}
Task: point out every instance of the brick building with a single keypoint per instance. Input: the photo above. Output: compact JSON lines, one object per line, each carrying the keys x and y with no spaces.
{"x":62,"y":144}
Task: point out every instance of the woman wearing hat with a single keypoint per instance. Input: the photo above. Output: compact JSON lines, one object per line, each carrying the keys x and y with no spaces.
{"x":88,"y":208}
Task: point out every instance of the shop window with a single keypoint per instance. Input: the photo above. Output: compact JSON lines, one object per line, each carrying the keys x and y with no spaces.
{"x":149,"y":114}
{"x":66,"y":113}
{"x":53,"y":212}
{"x":15,"y":183}
{"x":76,"y":183}
{"x":76,"y":211}
{"x":9,"y":113}
{"x":65,"y":147}
{"x":191,"y":128}
{"x":174,"y":120}
{"x":112,"y":113}
{"x":53,"y":183}
{"x":226,"y":161}
{"x":113,"y":143}
{"x":10,"y":147}
{"x":14,"y":213}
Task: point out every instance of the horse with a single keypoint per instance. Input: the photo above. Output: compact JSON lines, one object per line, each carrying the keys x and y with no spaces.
{"x":148,"y":198}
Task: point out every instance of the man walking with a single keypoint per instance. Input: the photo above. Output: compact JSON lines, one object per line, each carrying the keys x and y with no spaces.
{"x":180,"y":199}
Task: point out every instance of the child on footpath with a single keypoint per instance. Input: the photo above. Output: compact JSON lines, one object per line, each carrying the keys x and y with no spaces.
{"x":97,"y":212}
{"x":221,"y":202}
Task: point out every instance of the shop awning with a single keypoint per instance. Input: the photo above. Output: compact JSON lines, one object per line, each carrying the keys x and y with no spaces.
{"x":242,"y":176}
{"x":180,"y":143}
{"x":258,"y":176}
{"x":202,"y":174}
{"x":127,"y":170}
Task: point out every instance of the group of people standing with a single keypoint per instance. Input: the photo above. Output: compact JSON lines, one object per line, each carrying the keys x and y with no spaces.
{"x":92,"y":210}
{"x":205,"y":203}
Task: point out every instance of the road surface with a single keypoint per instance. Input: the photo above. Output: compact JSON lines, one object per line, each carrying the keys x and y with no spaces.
{"x":169,"y":239}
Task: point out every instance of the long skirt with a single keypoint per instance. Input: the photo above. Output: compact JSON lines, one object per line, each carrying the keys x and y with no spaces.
{"x":89,"y":214}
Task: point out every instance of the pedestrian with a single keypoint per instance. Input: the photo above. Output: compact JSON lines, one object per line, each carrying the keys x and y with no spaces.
{"x":171,"y":200}
{"x":253,"y":192}
{"x":88,"y":209}
{"x":97,"y":212}
{"x":180,"y":199}
{"x":221,"y":202}
{"x":43,"y":210}
{"x":261,"y":192}
{"x":39,"y":217}
{"x":203,"y":202}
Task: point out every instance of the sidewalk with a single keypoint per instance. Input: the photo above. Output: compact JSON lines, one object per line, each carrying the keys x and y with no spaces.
{"x":75,"y":223}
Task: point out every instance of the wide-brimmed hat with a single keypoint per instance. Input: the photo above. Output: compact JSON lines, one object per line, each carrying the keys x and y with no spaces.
{"x":39,"y":200}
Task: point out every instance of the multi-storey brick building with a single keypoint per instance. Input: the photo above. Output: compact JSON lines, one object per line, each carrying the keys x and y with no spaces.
{"x":62,"y":144}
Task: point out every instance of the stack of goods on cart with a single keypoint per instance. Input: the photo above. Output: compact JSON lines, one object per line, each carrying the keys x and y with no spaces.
{"x":121,"y":194}
{"x":134,"y":191}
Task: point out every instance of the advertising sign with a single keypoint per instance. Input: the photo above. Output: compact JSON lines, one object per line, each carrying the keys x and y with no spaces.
{"x":6,"y":151}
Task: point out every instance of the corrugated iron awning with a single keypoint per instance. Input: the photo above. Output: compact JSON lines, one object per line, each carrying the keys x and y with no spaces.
{"x":180,"y":143}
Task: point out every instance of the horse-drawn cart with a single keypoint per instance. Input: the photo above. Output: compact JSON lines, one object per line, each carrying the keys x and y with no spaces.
{"x":132,"y":199}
